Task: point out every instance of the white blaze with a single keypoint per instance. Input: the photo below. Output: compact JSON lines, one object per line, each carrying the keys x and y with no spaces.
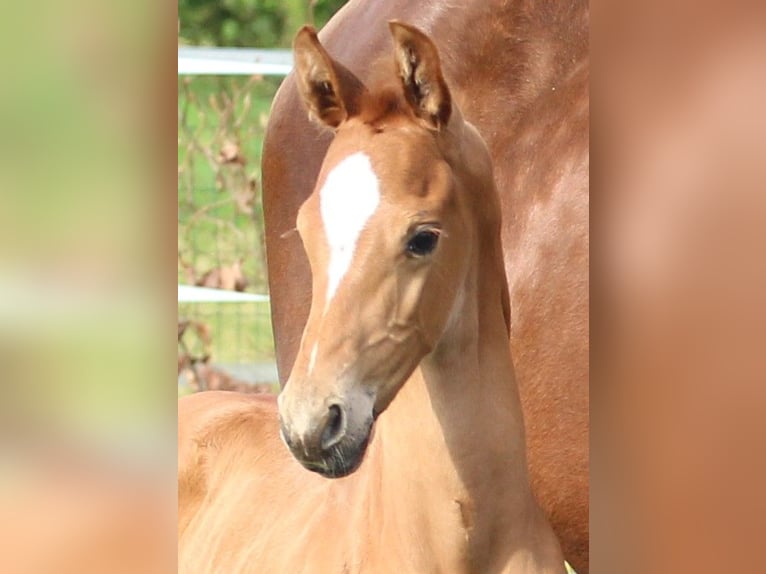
{"x":347,"y":200}
{"x":313,"y":357}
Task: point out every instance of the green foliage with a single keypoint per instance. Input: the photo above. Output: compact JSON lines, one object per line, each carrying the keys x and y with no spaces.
{"x":249,"y":23}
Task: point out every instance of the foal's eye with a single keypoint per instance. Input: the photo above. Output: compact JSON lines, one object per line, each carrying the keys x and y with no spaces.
{"x":423,"y":242}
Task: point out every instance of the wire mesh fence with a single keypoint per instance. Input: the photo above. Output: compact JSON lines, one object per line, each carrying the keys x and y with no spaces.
{"x":221,"y":122}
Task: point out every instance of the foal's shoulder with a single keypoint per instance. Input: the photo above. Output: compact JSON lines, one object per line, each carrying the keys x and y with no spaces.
{"x":212,"y":424}
{"x":216,"y":417}
{"x":201,"y":413}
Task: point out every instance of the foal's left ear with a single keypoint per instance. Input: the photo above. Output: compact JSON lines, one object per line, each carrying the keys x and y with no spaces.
{"x":331,"y":92}
{"x":417,"y":63}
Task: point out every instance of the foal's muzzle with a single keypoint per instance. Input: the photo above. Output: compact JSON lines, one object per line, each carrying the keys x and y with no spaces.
{"x":332,"y":444}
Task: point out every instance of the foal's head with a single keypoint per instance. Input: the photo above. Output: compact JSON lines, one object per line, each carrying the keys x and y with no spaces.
{"x":389,"y":231}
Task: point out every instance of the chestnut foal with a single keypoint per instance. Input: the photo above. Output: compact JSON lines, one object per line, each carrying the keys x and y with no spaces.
{"x":402,"y":399}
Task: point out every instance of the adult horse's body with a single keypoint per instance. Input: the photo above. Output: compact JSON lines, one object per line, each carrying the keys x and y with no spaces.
{"x":519,"y":72}
{"x":410,"y":412}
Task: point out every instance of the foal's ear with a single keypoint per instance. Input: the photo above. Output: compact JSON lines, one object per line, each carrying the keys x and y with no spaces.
{"x":417,"y":63}
{"x":330,"y":91}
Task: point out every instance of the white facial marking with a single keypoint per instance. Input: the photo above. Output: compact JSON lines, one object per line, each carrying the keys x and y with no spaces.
{"x":313,"y":357}
{"x":348,"y":198}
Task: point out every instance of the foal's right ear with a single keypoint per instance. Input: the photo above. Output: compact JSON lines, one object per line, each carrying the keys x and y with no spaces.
{"x":331,"y":93}
{"x":417,"y":63}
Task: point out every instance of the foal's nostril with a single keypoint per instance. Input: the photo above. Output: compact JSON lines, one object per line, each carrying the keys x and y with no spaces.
{"x":334,"y":428}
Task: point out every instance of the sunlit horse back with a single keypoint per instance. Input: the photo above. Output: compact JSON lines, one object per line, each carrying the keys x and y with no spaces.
{"x":402,"y":400}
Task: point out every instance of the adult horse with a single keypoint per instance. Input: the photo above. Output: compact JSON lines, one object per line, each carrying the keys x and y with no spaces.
{"x":519,"y":72}
{"x":410,"y":413}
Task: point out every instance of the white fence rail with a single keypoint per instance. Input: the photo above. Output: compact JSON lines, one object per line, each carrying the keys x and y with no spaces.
{"x":193,"y":60}
{"x":190,"y":294}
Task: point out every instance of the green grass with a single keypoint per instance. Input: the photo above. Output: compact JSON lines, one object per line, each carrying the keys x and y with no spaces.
{"x":200,"y":118}
{"x":211,"y":230}
{"x":221,"y":233}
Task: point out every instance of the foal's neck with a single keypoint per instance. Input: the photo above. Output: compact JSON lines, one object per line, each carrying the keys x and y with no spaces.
{"x":454,"y":438}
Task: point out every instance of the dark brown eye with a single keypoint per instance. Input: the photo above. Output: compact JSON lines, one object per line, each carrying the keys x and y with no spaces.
{"x":423,"y":242}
